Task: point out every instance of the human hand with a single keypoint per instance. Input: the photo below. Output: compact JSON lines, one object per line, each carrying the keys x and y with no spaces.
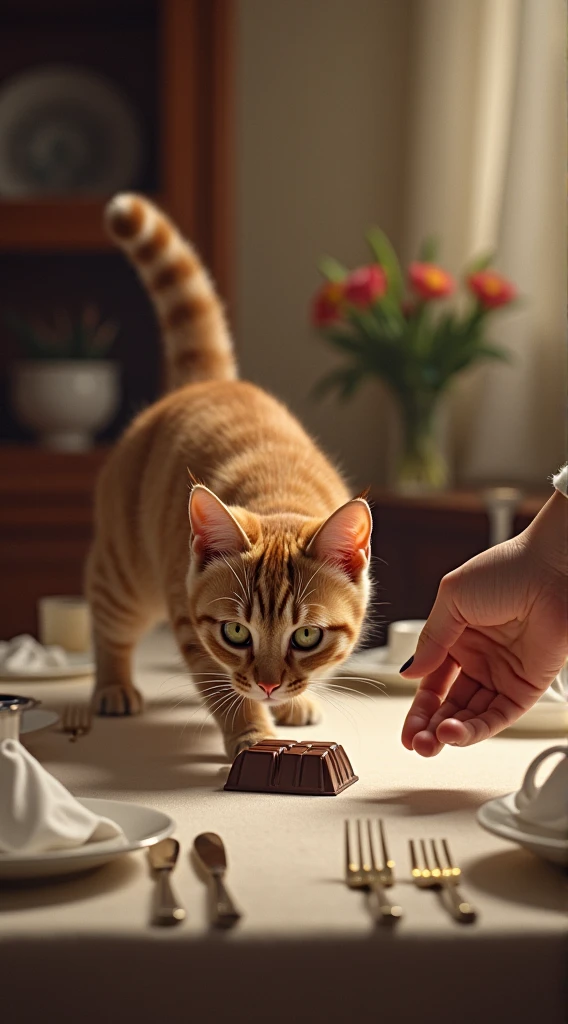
{"x":495,"y":639}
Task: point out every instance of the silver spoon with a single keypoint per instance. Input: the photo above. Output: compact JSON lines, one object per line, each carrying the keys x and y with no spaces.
{"x":163,"y":857}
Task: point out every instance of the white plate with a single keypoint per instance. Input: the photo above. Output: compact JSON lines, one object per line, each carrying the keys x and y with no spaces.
{"x":546,"y":717}
{"x":142,"y":827}
{"x":374,"y":664}
{"x":78,"y":665}
{"x":37,"y":719}
{"x":66,"y":130}
{"x":499,"y":817}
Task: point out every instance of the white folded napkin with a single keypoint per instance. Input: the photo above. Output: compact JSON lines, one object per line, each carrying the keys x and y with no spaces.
{"x":24,"y":654}
{"x":37,"y":813}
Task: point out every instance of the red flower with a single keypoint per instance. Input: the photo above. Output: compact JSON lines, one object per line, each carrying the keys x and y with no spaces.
{"x":365,"y":285}
{"x":491,"y":289}
{"x":327,"y":303}
{"x":430,"y":281}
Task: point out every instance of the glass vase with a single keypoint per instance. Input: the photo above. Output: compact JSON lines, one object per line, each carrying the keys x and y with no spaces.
{"x":422,"y":466}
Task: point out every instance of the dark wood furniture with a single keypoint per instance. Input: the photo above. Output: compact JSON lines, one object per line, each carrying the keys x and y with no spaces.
{"x":174,"y":62}
{"x":46,"y":501}
{"x":416,"y":541}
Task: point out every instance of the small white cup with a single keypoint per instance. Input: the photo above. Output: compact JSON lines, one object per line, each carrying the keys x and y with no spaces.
{"x":66,"y":622}
{"x":403,"y":638}
{"x":546,"y":806}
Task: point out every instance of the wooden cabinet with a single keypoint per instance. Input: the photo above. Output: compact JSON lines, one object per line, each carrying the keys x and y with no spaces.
{"x":173,"y":61}
{"x":416,"y":541}
{"x":46,"y":503}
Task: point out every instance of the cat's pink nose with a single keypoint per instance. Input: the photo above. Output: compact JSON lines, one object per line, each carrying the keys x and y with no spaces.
{"x":269,"y":687}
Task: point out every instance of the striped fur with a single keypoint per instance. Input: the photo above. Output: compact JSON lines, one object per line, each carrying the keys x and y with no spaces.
{"x":194,"y":330}
{"x":263,"y":544}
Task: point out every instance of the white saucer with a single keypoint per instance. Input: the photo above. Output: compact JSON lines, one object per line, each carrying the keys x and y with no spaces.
{"x":546,"y":717}
{"x":37,"y":719}
{"x":499,"y":816}
{"x":77,"y":665}
{"x":142,"y":827}
{"x":374,"y":664}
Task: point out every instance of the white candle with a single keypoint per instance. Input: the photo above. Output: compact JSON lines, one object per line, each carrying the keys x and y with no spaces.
{"x":65,"y":621}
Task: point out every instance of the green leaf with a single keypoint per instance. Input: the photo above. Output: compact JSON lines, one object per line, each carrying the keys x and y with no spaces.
{"x":343,"y":340}
{"x":481,"y":262}
{"x":345,"y":380}
{"x":388,"y":260}
{"x":493,"y":352}
{"x":332,"y":269}
{"x":429,"y":249}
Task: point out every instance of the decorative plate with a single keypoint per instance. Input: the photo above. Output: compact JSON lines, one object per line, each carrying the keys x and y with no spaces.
{"x":66,"y":131}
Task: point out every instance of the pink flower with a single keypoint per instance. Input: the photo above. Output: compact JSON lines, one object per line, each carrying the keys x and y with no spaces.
{"x":365,"y":285}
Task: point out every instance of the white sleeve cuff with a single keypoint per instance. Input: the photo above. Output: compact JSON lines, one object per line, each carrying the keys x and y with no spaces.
{"x":560,"y":480}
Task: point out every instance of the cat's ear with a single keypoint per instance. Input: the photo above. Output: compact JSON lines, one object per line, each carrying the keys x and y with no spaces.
{"x":345,"y":538}
{"x":215,"y":530}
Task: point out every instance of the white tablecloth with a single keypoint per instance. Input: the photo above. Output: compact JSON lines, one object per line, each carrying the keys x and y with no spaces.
{"x":306,"y":948}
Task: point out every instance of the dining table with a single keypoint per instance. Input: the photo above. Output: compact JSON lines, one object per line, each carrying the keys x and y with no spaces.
{"x":307,"y":947}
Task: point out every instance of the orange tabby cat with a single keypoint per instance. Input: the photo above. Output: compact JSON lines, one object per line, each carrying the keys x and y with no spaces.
{"x":265,"y":576}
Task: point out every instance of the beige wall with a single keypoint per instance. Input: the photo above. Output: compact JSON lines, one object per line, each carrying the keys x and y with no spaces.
{"x":320,"y":123}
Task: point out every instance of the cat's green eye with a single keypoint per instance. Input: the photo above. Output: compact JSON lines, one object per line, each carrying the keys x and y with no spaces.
{"x":236,"y":634}
{"x":306,"y":637}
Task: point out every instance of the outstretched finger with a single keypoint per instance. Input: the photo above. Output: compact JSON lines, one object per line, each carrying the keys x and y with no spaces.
{"x":465,"y":699}
{"x":442,"y":630}
{"x":501,"y":713}
{"x":426,"y":703}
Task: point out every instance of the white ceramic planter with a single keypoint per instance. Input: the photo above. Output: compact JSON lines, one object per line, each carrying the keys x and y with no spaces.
{"x":66,"y":402}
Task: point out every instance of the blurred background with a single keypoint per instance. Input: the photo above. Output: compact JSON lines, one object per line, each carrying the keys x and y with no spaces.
{"x":275,"y":132}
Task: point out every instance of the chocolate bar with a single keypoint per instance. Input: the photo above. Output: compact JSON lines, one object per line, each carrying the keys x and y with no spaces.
{"x":285,"y":766}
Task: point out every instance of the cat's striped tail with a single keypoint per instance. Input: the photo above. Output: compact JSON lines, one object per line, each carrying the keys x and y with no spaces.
{"x":194,"y":330}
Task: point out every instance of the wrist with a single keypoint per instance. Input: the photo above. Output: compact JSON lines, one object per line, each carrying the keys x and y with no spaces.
{"x":546,"y":538}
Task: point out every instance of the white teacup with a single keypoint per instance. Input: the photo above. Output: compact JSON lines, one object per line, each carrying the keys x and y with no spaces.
{"x":546,"y":806}
{"x":403,"y":638}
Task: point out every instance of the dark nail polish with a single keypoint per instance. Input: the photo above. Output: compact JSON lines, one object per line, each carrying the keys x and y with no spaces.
{"x":407,"y":664}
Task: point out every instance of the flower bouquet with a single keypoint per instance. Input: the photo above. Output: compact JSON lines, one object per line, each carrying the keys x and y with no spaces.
{"x":398,"y":330}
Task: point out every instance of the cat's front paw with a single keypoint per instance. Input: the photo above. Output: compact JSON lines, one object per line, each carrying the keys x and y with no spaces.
{"x":303,"y":710}
{"x":234,"y":744}
{"x":117,"y":700}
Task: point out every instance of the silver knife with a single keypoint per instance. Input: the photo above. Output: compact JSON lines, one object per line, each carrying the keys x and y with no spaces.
{"x":211,"y":852}
{"x":163,"y":857}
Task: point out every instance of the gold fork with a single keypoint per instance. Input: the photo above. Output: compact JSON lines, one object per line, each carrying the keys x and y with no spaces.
{"x":77,"y":720}
{"x":443,"y":875}
{"x":361,"y":873}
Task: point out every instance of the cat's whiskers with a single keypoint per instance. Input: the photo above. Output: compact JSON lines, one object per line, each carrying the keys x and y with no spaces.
{"x":233,"y":600}
{"x":212,"y":693}
{"x":237,"y":577}
{"x":314,"y":574}
{"x":353,"y":695}
{"x":337,"y":704}
{"x":333,"y":704}
{"x":365,"y":679}
{"x":342,"y":686}
{"x":238,"y":706}
{"x":215,"y":707}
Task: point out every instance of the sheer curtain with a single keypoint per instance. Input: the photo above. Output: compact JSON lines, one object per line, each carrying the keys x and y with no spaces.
{"x":486,"y":160}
